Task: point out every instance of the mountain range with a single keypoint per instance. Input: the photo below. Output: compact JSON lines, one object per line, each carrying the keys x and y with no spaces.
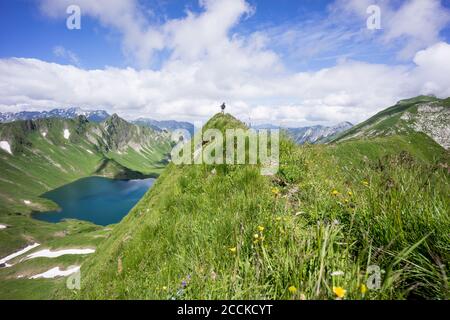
{"x":93,"y":116}
{"x":169,"y":125}
{"x":311,"y":134}
{"x":39,"y":155}
{"x":69,"y":113}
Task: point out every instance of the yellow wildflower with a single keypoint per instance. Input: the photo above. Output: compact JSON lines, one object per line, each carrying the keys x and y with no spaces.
{"x":233,"y":249}
{"x":275,"y":191}
{"x":365,"y":182}
{"x":260,"y":228}
{"x":363,"y":289}
{"x":256,"y":236}
{"x":164,"y":288}
{"x":334,"y":192}
{"x":339,"y":292}
{"x":278,"y":218}
{"x":350,"y":193}
{"x":292,"y":289}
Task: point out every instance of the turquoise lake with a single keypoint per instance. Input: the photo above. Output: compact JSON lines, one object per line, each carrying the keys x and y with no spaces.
{"x":99,"y":200}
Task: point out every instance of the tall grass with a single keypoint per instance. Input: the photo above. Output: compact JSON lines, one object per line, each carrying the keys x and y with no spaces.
{"x":226,"y":232}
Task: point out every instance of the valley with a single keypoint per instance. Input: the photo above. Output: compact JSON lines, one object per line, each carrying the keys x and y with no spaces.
{"x":375,"y":196}
{"x":45,"y":154}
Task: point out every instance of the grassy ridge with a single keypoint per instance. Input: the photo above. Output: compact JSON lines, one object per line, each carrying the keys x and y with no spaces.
{"x":226,"y":232}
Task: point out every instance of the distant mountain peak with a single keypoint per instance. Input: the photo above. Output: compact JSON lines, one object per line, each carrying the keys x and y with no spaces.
{"x":169,"y":125}
{"x":311,"y":134}
{"x":67,"y":113}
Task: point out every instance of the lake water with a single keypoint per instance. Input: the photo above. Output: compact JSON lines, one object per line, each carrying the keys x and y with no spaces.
{"x":99,"y":200}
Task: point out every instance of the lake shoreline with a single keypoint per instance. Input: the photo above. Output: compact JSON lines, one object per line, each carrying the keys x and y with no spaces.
{"x":101,"y":200}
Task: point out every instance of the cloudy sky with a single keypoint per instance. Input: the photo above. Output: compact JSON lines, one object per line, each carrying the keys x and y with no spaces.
{"x":292,"y":62}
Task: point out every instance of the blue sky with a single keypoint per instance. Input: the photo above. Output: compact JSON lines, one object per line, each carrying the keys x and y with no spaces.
{"x":272,"y":48}
{"x":26,"y":32}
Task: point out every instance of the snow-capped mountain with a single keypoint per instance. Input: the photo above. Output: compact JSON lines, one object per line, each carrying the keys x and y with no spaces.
{"x":91,"y":115}
{"x":169,"y":125}
{"x":314,"y":134}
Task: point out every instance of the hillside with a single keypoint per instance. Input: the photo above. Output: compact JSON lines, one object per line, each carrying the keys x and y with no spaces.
{"x":226,"y":232}
{"x":425,"y":114}
{"x":39,"y":155}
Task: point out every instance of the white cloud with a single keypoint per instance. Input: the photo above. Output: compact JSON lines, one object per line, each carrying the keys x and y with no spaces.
{"x":209,"y":64}
{"x":349,"y":91}
{"x":411,"y":25}
{"x":191,"y":37}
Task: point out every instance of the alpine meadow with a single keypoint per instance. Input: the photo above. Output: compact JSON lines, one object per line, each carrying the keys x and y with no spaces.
{"x":225,"y":150}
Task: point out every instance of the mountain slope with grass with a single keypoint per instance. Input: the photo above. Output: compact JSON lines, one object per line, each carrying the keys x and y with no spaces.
{"x":40,"y":155}
{"x":425,"y":114}
{"x":310,"y":232}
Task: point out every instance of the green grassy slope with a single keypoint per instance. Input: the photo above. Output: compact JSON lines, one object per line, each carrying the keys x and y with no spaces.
{"x":43,"y":159}
{"x":231,"y":233}
{"x":40,"y":163}
{"x":402,"y":119}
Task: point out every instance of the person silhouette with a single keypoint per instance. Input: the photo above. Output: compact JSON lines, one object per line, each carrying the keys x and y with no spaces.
{"x":223,"y":106}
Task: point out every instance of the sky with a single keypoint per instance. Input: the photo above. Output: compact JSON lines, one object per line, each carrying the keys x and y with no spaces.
{"x":288,"y":62}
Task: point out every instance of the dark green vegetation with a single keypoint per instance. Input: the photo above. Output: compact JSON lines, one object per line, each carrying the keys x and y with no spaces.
{"x":226,"y":232}
{"x":49,"y":153}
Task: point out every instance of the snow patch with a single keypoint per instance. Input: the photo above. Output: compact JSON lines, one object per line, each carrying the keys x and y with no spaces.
{"x":5,"y":146}
{"x":27,"y":202}
{"x":2,"y":226}
{"x":66,"y":134}
{"x":56,"y":272}
{"x":46,"y":253}
{"x":44,"y":133}
{"x":19,"y":253}
{"x":89,"y":151}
